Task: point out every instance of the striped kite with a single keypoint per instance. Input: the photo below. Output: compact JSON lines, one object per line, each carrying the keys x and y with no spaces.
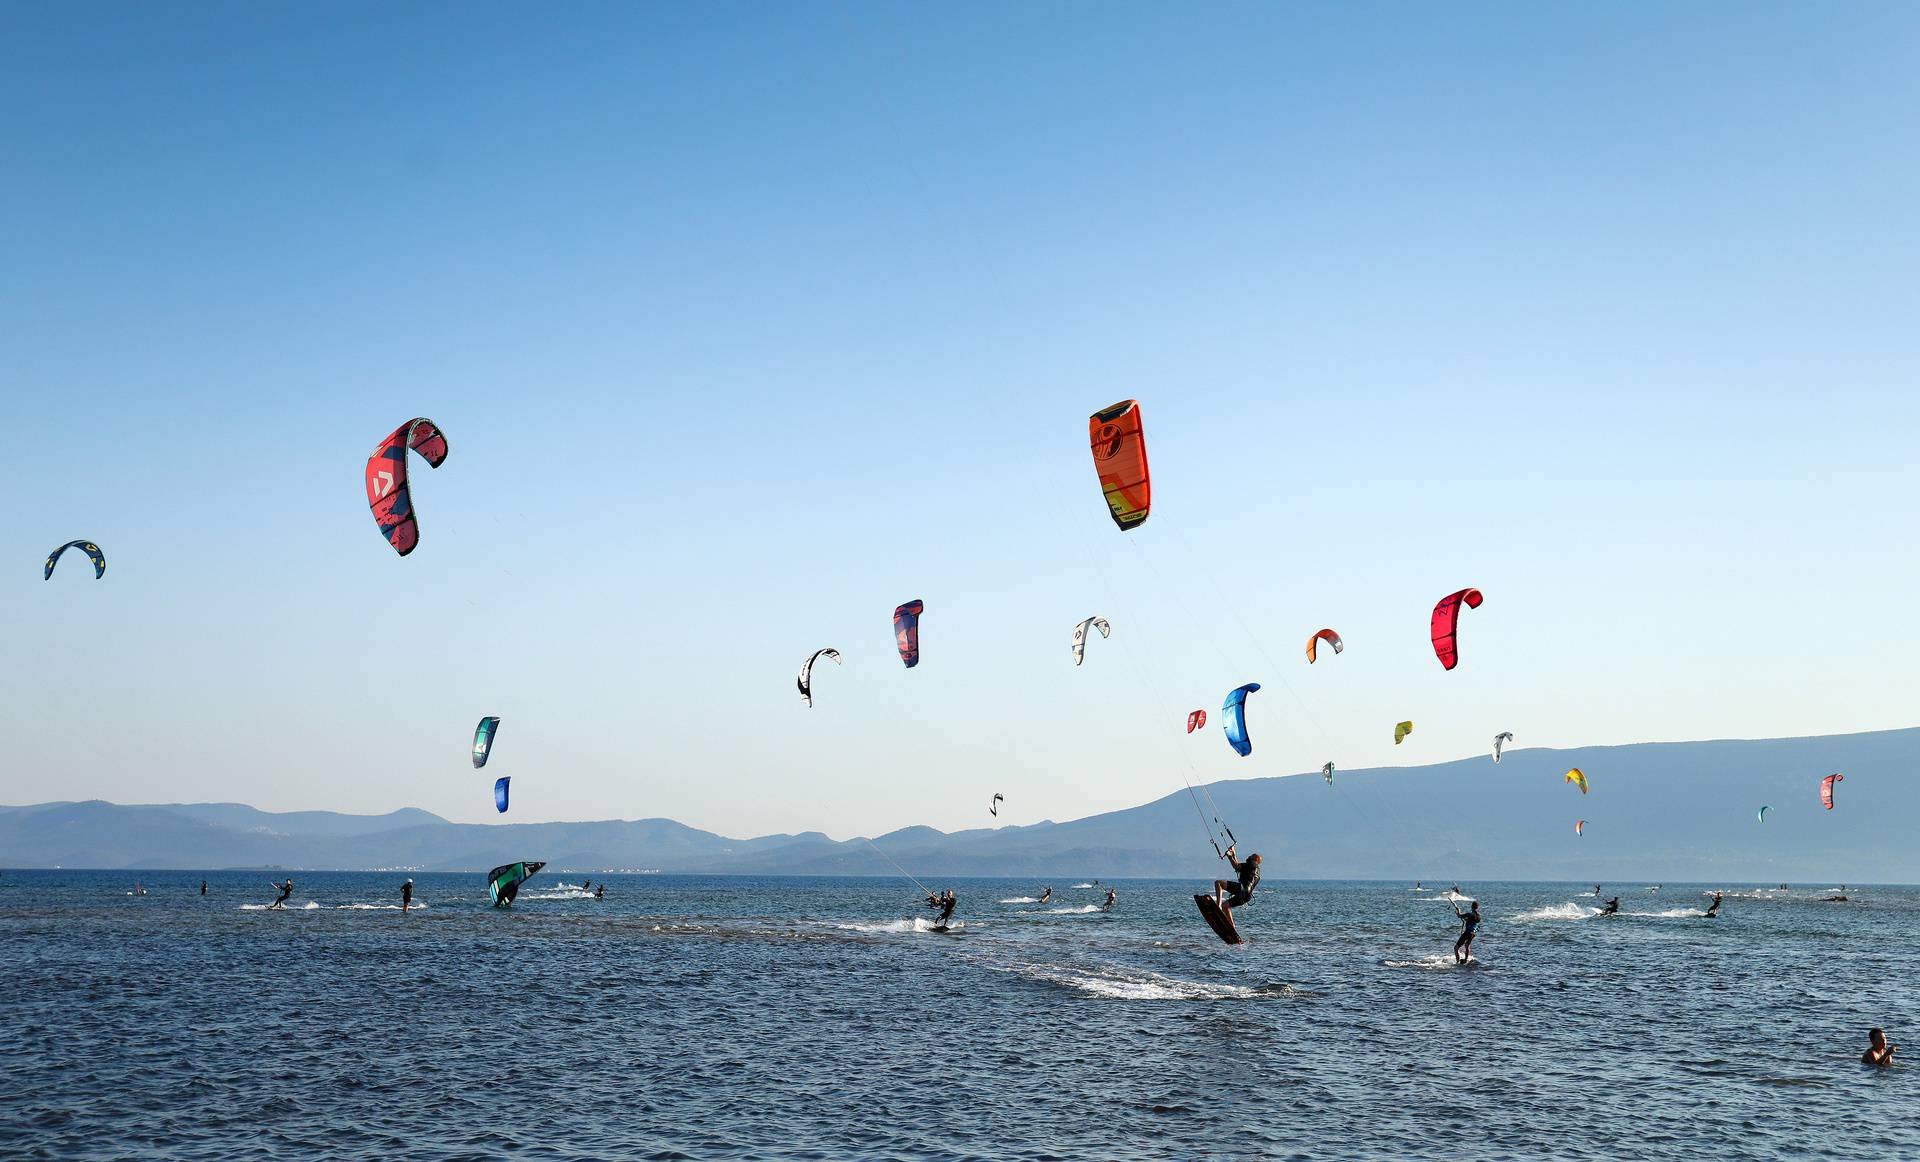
{"x":1120,"y":457}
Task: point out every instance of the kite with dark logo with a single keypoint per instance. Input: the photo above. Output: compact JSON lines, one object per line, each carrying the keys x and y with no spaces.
{"x":387,"y":492}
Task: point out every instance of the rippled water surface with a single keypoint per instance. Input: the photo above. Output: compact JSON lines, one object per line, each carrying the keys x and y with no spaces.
{"x":696,"y":1017}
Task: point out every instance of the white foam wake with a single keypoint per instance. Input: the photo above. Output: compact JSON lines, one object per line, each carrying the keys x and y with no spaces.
{"x":1568,"y":911}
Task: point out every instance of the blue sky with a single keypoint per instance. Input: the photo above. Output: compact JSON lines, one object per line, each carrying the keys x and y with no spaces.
{"x":749,"y":322}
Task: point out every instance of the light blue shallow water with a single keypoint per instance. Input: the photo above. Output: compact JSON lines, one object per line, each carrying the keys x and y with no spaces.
{"x":697,"y":1017}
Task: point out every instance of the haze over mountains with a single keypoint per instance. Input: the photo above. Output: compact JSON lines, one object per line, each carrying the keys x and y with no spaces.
{"x":1658,"y":811}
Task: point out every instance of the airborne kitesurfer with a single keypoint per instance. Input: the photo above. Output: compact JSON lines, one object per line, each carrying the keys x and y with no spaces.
{"x":1242,"y":888}
{"x":286,"y":893}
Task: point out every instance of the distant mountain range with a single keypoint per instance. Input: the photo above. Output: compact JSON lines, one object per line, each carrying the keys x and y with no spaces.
{"x":1657,"y":811}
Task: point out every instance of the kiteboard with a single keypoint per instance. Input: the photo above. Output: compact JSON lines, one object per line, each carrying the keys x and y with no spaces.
{"x":1217,"y":919}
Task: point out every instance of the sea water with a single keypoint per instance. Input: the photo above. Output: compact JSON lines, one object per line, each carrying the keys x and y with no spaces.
{"x":729,"y":1017}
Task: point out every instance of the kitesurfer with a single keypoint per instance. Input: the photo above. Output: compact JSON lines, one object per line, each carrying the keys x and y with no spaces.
{"x":1111,"y":897}
{"x":1713,"y":909}
{"x":406,"y":895}
{"x":1612,"y":908}
{"x":600,"y":893}
{"x":1469,"y":923}
{"x":1046,"y":895}
{"x":586,"y":885}
{"x":1878,"y":1051}
{"x":1242,"y":888}
{"x":203,"y":887}
{"x":137,"y":889}
{"x":948,"y":903}
{"x":286,"y":893}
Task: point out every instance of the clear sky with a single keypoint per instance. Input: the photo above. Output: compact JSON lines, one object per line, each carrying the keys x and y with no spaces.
{"x":748,"y":322}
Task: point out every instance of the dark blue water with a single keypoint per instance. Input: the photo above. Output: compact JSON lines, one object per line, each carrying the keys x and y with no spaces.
{"x":687,"y":1017}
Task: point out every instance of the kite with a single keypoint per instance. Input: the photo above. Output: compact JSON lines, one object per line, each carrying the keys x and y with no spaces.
{"x":1578,"y":778}
{"x":387,"y":492}
{"x":1401,"y":731}
{"x":503,"y":882}
{"x":993,"y":808}
{"x":92,"y":550}
{"x":483,"y":741}
{"x":906,"y":631}
{"x":1235,"y":713}
{"x":1580,"y":827}
{"x":1080,"y":636}
{"x":1826,"y":789}
{"x":1499,"y":740}
{"x":1196,"y":720}
{"x":1120,"y":457}
{"x":1328,"y":772}
{"x":1446,"y":621}
{"x":500,"y":793}
{"x":1763,"y":813}
{"x":806,"y":667}
{"x":1325,"y":635}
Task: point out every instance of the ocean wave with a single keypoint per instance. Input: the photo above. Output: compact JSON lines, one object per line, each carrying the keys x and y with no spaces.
{"x":1125,"y":984}
{"x":1020,"y":900}
{"x":1567,"y":911}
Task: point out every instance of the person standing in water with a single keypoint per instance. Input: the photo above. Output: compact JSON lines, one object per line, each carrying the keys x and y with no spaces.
{"x":286,"y":893}
{"x":1469,"y":924}
{"x":1878,"y":1051}
{"x":1111,"y":897}
{"x":1713,"y":909}
{"x":1249,"y":878}
{"x":406,"y":896}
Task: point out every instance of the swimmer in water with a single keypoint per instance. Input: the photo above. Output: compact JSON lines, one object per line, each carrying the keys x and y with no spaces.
{"x":286,"y":893}
{"x":1878,"y":1051}
{"x":1713,"y":909}
{"x":1612,"y":908}
{"x":406,"y":896}
{"x":1469,"y":923}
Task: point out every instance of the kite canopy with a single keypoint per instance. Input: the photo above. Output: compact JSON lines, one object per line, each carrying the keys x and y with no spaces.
{"x":1826,"y":789}
{"x":993,"y":808}
{"x":1499,"y":740}
{"x":1234,"y":712}
{"x":483,"y":741}
{"x":1446,"y":623}
{"x":387,"y":492}
{"x":89,"y":548}
{"x":1328,"y":772}
{"x":1196,"y":720}
{"x":1080,"y":636}
{"x":1401,"y":731}
{"x":1580,"y":827}
{"x":1120,"y":457}
{"x":806,"y":667}
{"x":1325,"y":635}
{"x":1763,"y":813}
{"x":1578,"y":778}
{"x":500,"y":793}
{"x":906,"y":631}
{"x":503,"y":882}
